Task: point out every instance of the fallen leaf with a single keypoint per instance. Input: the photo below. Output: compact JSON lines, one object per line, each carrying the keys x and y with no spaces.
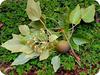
{"x":23,"y":58}
{"x":56,"y":63}
{"x":24,"y":29}
{"x":33,"y":10}
{"x":14,"y":45}
{"x":26,"y":49}
{"x":44,"y":55}
{"x":53,"y":38}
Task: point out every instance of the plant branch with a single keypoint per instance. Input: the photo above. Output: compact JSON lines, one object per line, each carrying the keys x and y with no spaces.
{"x":68,"y":39}
{"x":45,"y":26}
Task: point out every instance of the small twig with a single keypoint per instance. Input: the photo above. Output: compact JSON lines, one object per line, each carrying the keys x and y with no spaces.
{"x":72,"y":27}
{"x":73,"y":52}
{"x":76,"y":56}
{"x":45,"y":26}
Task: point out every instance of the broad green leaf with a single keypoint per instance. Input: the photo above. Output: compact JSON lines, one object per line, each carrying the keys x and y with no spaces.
{"x":74,"y":46}
{"x":23,"y":58}
{"x":36,"y":25}
{"x":56,"y":63}
{"x":53,"y":37}
{"x":82,"y":11}
{"x":87,"y":14}
{"x":44,"y":55}
{"x":39,"y":34}
{"x":42,"y":36}
{"x":23,"y":40}
{"x":26,"y":49}
{"x":33,"y":10}
{"x":16,"y":37}
{"x":24,"y":29}
{"x":35,"y":32}
{"x":14,"y":45}
{"x":75,"y":15}
{"x":28,"y":37}
{"x":79,"y":41}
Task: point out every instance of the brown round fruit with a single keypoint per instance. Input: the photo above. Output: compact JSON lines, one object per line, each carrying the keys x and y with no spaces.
{"x":63,"y":46}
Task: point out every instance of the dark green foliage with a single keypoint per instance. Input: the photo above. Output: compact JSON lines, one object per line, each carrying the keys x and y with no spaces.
{"x":12,"y":14}
{"x":69,"y":60}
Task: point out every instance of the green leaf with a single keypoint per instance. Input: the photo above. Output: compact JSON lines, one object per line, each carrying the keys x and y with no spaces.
{"x":26,"y":49}
{"x":40,"y":34}
{"x":74,"y":46}
{"x":44,"y":55}
{"x":24,"y":29}
{"x":14,"y":45}
{"x":82,"y":12}
{"x":79,"y":41}
{"x":23,"y":58}
{"x":75,"y":15}
{"x":36,"y":25}
{"x":16,"y":37}
{"x":87,"y":14}
{"x":33,"y":10}
{"x":52,"y":38}
{"x":56,"y":63}
{"x":23,"y":40}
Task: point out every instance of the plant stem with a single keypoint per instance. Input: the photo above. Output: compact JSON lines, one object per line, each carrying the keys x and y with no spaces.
{"x":73,"y":27}
{"x":73,"y":52}
{"x":45,"y":26}
{"x":72,"y":30}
